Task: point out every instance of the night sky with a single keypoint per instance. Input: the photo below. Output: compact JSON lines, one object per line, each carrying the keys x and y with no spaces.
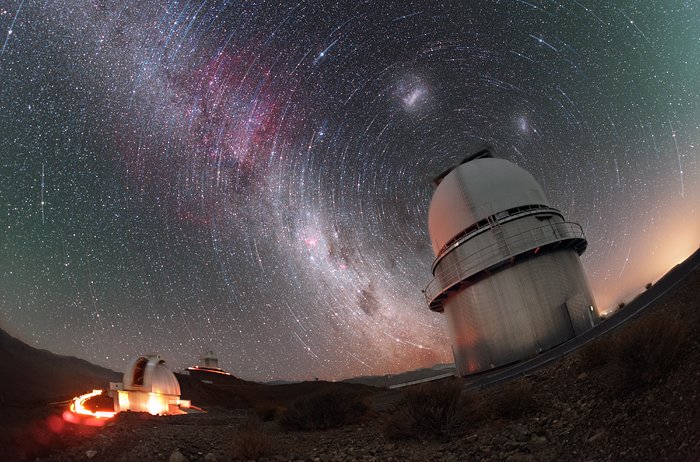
{"x":254,"y":177}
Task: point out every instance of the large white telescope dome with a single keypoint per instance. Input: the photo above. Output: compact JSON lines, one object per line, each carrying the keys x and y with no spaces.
{"x":476,"y":190}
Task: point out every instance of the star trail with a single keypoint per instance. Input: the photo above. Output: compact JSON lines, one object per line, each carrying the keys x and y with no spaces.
{"x":254,"y":177}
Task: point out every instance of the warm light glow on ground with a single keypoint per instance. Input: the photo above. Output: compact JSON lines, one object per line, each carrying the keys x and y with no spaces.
{"x":79,"y":414}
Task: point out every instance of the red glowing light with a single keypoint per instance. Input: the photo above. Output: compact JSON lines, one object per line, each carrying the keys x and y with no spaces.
{"x":79,"y":414}
{"x":208,"y":369}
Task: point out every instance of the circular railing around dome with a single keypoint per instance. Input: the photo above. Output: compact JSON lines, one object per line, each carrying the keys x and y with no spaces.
{"x":488,"y":223}
{"x":451,"y":276}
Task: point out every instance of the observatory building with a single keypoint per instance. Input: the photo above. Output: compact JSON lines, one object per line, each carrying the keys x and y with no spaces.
{"x":208,"y":370}
{"x":149,"y":386}
{"x":507,"y":272}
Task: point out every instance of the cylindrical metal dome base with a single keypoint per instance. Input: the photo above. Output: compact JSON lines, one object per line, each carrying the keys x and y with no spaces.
{"x":520,"y":310}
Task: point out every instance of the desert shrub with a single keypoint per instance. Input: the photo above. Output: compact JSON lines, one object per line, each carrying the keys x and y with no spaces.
{"x":646,"y":350}
{"x":596,"y":354}
{"x":329,"y":409}
{"x":251,"y":441}
{"x":513,"y":401}
{"x":267,"y":411}
{"x":432,"y":411}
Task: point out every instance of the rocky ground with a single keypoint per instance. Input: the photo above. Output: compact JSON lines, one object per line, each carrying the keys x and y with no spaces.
{"x":575,"y":416}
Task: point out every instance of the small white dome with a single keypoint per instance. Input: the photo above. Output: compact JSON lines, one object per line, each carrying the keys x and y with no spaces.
{"x":150,"y":374}
{"x":476,"y":190}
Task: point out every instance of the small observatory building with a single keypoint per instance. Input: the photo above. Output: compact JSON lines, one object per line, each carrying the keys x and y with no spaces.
{"x":149,"y":386}
{"x":208,"y":370}
{"x":210,"y":360}
{"x":507,"y":272}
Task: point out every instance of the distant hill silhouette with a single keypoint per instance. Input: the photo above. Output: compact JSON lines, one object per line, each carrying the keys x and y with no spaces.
{"x":30,"y":375}
{"x":403,"y":377}
{"x":234,"y":393}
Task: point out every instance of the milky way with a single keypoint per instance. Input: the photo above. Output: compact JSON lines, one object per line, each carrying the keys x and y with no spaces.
{"x":254,"y":177}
